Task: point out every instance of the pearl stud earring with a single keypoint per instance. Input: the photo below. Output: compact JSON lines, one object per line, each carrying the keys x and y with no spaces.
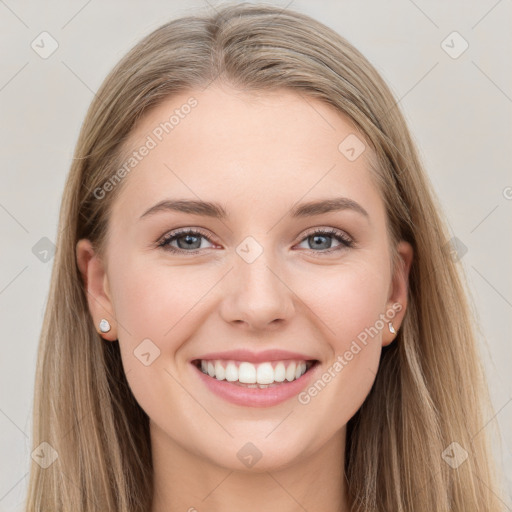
{"x":392,"y":330}
{"x":104,"y":325}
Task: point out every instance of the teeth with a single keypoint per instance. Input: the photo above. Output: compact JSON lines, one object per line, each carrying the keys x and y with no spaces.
{"x":290,"y":372}
{"x":231,"y":372}
{"x":279,"y":372}
{"x":220,"y":373}
{"x":254,"y":376}
{"x":247,"y":373}
{"x":264,"y":374}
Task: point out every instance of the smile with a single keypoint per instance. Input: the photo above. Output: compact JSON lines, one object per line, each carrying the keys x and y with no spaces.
{"x":251,"y":384}
{"x":251,"y":375}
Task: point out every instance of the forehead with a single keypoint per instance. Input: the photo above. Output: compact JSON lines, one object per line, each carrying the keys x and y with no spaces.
{"x":253,"y":149}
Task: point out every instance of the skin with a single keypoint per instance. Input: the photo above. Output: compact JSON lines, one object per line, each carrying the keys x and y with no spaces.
{"x":252,"y":153}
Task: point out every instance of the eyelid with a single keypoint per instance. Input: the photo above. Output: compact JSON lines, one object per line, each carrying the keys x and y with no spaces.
{"x":170,"y":235}
{"x":345,"y":240}
{"x":329,"y":230}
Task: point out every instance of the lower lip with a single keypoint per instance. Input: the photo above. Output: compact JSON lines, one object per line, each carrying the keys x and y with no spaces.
{"x":255,"y":397}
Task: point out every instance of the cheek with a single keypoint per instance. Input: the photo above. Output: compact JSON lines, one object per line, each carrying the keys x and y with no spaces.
{"x":349,"y":301}
{"x":157,"y":310}
{"x":347,"y":298}
{"x":154,"y":300}
{"x":149,"y":307}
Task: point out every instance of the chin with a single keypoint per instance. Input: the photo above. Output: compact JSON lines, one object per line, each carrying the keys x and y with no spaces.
{"x":259,"y":455}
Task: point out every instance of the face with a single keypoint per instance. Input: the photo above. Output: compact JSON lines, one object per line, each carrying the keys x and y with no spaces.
{"x":273,"y":287}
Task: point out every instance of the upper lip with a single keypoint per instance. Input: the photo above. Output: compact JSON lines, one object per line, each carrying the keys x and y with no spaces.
{"x":256,"y":357}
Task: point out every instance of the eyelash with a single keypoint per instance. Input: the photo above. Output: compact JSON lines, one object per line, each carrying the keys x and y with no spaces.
{"x":341,"y":237}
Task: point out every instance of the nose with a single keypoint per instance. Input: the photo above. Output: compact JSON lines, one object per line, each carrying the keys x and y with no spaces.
{"x":257,"y":297}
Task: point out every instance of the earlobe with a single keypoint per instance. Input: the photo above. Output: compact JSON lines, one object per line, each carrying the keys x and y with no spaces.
{"x":95,"y":283}
{"x":397,"y":301}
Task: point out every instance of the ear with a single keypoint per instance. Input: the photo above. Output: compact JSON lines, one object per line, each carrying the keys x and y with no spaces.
{"x":397,"y":300}
{"x":95,"y":282}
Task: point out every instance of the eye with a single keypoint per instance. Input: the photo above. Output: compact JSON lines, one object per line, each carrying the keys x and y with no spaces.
{"x":190,"y":240}
{"x":186,"y":239}
{"x":321,"y":238}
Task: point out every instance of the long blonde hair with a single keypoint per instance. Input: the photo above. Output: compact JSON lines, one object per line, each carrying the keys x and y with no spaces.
{"x":429,"y":390}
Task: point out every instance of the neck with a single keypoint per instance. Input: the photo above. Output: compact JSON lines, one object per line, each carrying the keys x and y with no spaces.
{"x":185,"y":481}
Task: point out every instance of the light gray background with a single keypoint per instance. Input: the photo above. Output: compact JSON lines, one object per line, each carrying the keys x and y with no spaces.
{"x":458,"y":109}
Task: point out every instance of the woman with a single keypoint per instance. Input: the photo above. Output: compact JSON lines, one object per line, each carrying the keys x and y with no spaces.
{"x":313,"y":350}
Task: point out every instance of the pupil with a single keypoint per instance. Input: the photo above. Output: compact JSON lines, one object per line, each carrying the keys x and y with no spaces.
{"x":326,"y":245}
{"x":189,"y":241}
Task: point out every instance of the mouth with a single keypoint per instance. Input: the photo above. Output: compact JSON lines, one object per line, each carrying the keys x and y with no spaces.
{"x":266,"y":374}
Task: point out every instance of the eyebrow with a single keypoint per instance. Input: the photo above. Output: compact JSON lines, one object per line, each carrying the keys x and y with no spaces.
{"x":216,"y":210}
